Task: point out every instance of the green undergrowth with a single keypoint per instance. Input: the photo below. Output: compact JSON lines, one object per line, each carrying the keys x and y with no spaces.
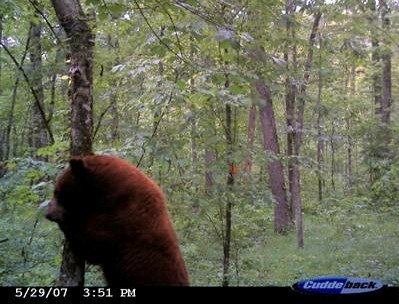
{"x":351,"y":236}
{"x":358,"y":245}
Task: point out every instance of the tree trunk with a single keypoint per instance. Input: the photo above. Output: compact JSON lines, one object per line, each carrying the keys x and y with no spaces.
{"x":386,"y":99}
{"x":349,"y":152}
{"x":81,"y":41}
{"x":230,"y":184}
{"x":114,"y":94}
{"x":194,"y":134}
{"x":250,"y":143}
{"x":352,"y":84}
{"x":290,"y":96}
{"x":296,"y":191}
{"x":375,"y":57}
{"x":209,"y":163}
{"x":297,"y":204}
{"x":275,"y":167}
{"x":320,"y":145}
{"x":382,"y":85}
{"x":320,"y":160}
{"x":2,"y":145}
{"x":60,"y":68}
{"x":114,"y":118}
{"x":290,"y":119}
{"x":38,"y":136}
{"x":332,"y":155}
{"x":10,"y":122}
{"x":210,"y":152}
{"x":194,"y":152}
{"x":194,"y":156}
{"x":304,"y":83}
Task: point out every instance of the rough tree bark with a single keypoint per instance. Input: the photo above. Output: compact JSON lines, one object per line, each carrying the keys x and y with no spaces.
{"x":81,"y":42}
{"x":275,"y":168}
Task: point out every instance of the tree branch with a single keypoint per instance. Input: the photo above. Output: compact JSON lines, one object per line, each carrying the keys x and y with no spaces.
{"x":174,"y":26}
{"x":158,"y":122}
{"x":100,"y":119}
{"x":159,"y":38}
{"x":42,"y":114}
{"x":40,"y":12}
{"x":305,"y":81}
{"x":197,"y":13}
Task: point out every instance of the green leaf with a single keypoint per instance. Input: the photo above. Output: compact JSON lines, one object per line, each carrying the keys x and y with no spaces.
{"x":237,"y":89}
{"x":116,"y":9}
{"x":218,"y":79}
{"x":181,"y":84}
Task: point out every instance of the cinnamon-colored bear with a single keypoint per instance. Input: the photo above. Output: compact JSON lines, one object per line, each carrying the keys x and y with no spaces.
{"x":115,"y":216}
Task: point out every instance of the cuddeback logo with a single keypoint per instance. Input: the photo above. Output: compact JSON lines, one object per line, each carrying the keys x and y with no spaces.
{"x":338,"y":285}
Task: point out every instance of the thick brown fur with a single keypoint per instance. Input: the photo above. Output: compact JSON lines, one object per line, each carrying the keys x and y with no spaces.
{"x":115,"y":216}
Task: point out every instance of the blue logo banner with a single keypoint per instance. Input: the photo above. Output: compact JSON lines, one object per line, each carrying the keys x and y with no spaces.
{"x":338,"y":285}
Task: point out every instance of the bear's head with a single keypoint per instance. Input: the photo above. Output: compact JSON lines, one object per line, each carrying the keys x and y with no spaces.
{"x":80,"y":206}
{"x":73,"y":194}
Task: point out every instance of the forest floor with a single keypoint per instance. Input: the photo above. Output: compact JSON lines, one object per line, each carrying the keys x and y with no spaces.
{"x":356,"y":242}
{"x":345,"y":243}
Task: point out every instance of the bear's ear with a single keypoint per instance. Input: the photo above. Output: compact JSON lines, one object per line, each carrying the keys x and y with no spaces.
{"x":78,"y":166}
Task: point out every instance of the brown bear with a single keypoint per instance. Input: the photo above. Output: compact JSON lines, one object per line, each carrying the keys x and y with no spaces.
{"x":115,"y":216}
